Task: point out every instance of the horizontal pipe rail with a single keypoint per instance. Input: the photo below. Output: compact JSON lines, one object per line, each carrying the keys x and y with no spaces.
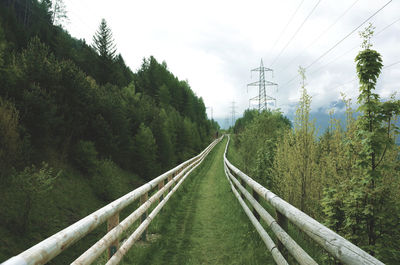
{"x":116,"y":258}
{"x":337,"y":246}
{"x":49,"y":248}
{"x":97,"y":249}
{"x":295,"y":250}
{"x":276,"y":254}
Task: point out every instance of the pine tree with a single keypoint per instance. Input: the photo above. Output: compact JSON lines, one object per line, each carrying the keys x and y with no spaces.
{"x":103,"y":42}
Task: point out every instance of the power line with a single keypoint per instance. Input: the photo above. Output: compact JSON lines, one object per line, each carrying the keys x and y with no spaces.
{"x":297,"y":31}
{"x":340,"y":41}
{"x":287,"y":24}
{"x":390,"y":65}
{"x":353,"y":48}
{"x":324,"y":32}
{"x":334,"y":46}
{"x":354,"y":78}
{"x":388,"y":26}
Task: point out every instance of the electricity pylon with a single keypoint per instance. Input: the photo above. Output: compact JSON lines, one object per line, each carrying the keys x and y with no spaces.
{"x":262,"y":97}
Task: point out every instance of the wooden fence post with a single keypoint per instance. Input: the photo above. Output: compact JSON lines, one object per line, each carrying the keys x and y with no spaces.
{"x":257,"y":198}
{"x":112,"y":222}
{"x":283,"y":223}
{"x":143,"y":199}
{"x":160,"y":186}
{"x":169,"y":179}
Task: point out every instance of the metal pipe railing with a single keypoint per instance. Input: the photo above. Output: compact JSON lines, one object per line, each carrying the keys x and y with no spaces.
{"x":340,"y":248}
{"x":294,"y":249}
{"x":116,"y":258}
{"x":272,"y":247}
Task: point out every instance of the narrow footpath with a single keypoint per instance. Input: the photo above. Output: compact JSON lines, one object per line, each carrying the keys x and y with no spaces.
{"x":202,"y":223}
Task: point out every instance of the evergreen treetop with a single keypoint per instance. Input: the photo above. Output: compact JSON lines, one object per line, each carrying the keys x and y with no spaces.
{"x":103,"y":42}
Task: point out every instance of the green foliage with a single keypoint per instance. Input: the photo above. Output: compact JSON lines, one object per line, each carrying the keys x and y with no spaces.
{"x":104,"y":42}
{"x":106,"y":181}
{"x":146,"y":153}
{"x":375,"y":135}
{"x":355,"y":167}
{"x":162,"y":134}
{"x":85,"y":156}
{"x":257,"y":140}
{"x":348,"y":178}
{"x":295,"y":167}
{"x":164,"y":95}
{"x":10,"y":142}
{"x":243,"y":122}
{"x":33,"y":183}
{"x":190,"y":231}
{"x":64,"y":102}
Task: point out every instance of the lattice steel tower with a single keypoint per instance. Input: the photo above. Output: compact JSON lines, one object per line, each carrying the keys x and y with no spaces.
{"x":262,"y":97}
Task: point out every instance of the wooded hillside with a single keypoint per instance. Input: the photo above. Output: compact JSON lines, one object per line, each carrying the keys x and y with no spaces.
{"x":68,"y":108}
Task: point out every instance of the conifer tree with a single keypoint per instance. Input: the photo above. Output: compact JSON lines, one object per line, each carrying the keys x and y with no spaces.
{"x":103,"y":42}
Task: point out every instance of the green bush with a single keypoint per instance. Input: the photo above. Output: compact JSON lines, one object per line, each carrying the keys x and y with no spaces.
{"x":107,"y":181}
{"x":33,"y":183}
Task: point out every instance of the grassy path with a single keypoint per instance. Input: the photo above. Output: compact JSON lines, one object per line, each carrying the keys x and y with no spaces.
{"x":202,"y":224}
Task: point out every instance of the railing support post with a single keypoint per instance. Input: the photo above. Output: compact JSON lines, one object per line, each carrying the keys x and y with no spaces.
{"x":257,"y":198}
{"x":169,"y":179}
{"x":112,"y":222}
{"x":143,"y":199}
{"x":283,"y":223}
{"x":160,"y":186}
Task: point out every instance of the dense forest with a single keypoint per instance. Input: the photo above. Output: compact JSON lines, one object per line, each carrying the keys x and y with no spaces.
{"x":348,"y":178}
{"x":74,"y":116}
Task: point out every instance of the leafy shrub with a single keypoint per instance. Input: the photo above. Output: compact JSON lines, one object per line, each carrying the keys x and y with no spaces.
{"x":33,"y":183}
{"x":107,"y":181}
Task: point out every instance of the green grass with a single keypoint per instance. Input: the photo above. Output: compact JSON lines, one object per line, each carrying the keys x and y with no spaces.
{"x":202,"y":223}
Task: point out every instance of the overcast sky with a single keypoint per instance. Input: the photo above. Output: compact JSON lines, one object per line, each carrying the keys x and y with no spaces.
{"x":214,"y":44}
